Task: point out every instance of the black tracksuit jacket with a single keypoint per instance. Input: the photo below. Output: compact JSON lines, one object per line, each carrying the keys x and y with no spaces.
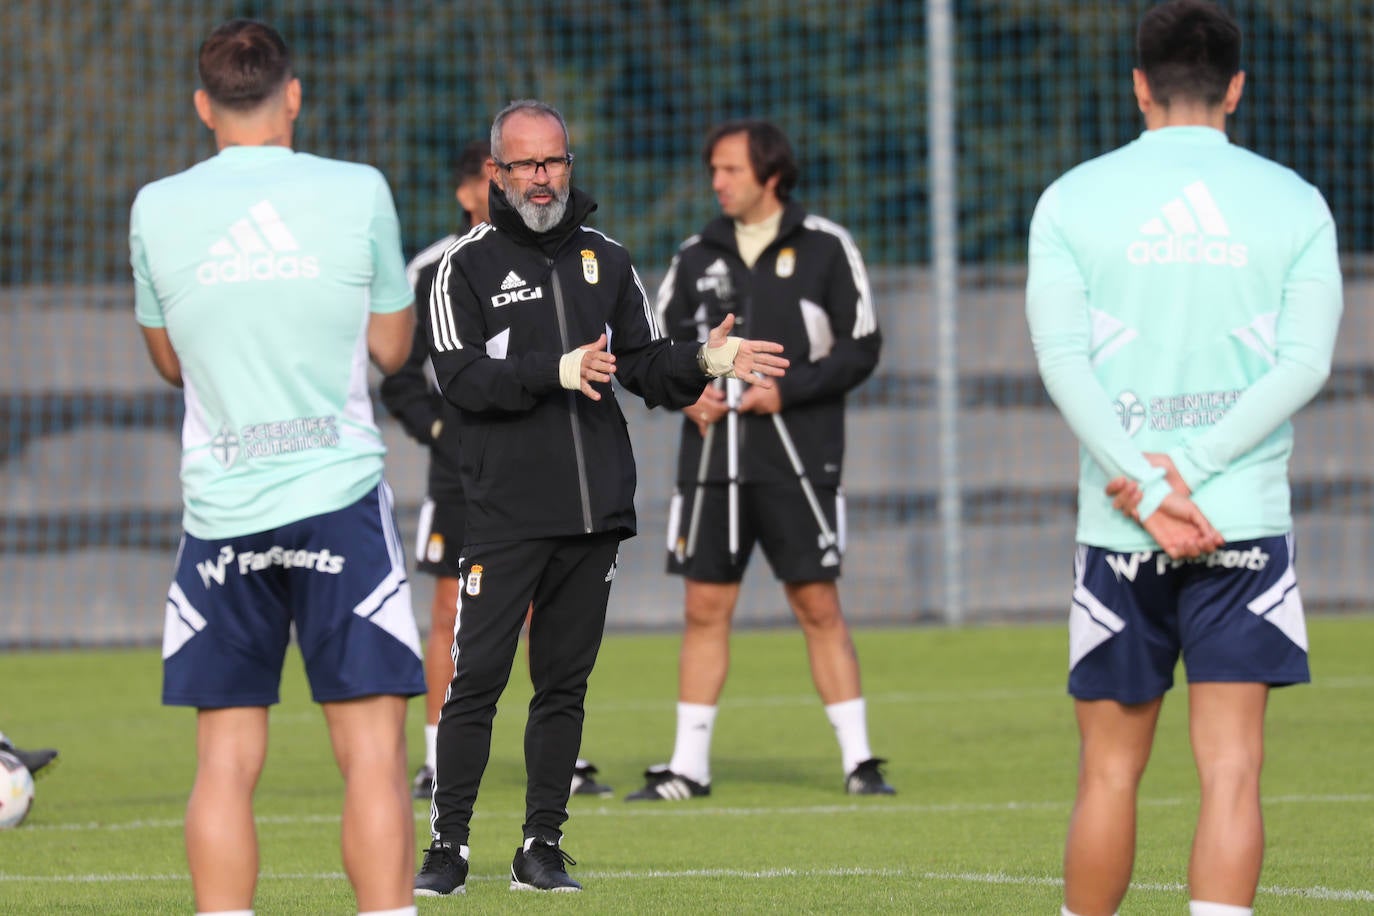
{"x":809,"y":291}
{"x":538,"y":460}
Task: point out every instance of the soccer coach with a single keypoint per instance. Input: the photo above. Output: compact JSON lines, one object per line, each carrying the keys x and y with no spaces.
{"x":531,"y":315}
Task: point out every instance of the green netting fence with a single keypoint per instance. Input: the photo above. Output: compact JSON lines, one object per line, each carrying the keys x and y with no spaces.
{"x":960,"y":475}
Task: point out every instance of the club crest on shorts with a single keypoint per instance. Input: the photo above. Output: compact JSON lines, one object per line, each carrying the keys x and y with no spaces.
{"x":787,"y":262}
{"x":590,"y":272}
{"x":474,"y":585}
{"x":434,"y":550}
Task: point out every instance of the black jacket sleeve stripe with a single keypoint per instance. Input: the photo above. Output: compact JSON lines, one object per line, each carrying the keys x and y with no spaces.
{"x":445,"y":334}
{"x":865,"y":316}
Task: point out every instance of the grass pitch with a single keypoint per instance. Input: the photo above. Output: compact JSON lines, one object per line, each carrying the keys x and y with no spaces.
{"x":975,"y":722}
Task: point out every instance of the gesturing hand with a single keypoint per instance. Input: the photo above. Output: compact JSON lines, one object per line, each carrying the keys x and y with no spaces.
{"x":754,"y":361}
{"x":587,"y":364}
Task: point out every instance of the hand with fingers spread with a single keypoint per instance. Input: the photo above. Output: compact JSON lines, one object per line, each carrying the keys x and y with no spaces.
{"x":589,"y":363}
{"x":753,"y":361}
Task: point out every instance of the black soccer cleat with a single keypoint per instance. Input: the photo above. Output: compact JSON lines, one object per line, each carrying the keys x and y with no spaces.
{"x":443,"y":873}
{"x":584,"y":781}
{"x":34,"y":760}
{"x":867,"y":779}
{"x":422,"y":786}
{"x":662,"y":784}
{"x":540,"y":866}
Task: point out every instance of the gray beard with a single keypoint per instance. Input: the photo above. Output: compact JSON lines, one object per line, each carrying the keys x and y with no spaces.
{"x":542,"y":217}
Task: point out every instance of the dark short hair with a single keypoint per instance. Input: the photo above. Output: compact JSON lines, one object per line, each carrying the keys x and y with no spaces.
{"x":1188,"y":49}
{"x":769,"y":152}
{"x":528,"y":106}
{"x":471,"y":161}
{"x":243,"y":63}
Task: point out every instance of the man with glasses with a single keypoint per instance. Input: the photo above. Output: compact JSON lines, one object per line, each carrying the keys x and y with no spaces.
{"x":760,"y":465}
{"x":530,"y":317}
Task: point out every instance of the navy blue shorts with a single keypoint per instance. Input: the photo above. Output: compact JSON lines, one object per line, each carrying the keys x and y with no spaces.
{"x":1234,"y":615}
{"x":339,"y":577}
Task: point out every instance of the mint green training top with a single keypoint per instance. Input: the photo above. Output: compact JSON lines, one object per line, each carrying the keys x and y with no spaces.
{"x":263,"y":264}
{"x":1183,"y":297}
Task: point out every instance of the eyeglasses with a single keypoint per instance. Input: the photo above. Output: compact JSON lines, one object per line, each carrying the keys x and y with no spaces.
{"x":554,"y":166}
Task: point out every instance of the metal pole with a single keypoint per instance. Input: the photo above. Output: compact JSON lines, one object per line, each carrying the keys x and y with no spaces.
{"x":733,"y":390}
{"x":944,"y":227}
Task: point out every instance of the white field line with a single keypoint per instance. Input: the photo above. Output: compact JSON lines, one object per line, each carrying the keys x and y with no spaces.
{"x":1318,"y":892}
{"x":611,"y":809}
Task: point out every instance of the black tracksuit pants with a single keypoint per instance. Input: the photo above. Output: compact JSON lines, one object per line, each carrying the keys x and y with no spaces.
{"x":569,"y":581}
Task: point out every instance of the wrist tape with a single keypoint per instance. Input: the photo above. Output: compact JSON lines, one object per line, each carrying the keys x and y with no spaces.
{"x":570,"y":369}
{"x":719,"y":362}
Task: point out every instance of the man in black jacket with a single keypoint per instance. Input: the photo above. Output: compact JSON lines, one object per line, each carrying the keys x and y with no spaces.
{"x":770,"y":472}
{"x":530,"y":317}
{"x":412,"y":395}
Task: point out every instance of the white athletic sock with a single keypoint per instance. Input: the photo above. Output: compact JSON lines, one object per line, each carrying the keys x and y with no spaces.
{"x":399,"y":911}
{"x":431,"y":736}
{"x":1203,"y":908}
{"x":850,"y":720}
{"x":692,"y":749}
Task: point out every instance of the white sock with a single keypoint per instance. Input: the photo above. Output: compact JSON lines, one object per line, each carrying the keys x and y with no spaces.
{"x":431,"y":736}
{"x":850,"y":721}
{"x":399,"y":911}
{"x":1203,"y":908}
{"x":692,"y":749}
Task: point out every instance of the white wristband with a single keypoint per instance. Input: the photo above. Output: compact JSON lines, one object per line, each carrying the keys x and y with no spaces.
{"x":719,"y":362}
{"x":570,"y":369}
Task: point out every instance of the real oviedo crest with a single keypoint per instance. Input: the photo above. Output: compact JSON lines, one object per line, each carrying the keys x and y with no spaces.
{"x":590,"y":272}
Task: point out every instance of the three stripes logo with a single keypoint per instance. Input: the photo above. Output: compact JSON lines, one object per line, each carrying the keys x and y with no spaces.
{"x":258,"y":247}
{"x":1189,"y":230}
{"x":512,"y":281}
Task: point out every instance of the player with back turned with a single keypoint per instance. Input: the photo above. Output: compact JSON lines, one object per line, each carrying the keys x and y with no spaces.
{"x":1183,"y":301}
{"x":288,"y":522}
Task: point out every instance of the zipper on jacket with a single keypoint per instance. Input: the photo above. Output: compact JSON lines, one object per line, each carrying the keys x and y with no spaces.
{"x":578,"y":454}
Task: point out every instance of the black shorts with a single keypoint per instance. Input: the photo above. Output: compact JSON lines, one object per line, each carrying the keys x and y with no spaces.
{"x":779,"y":518}
{"x":439,"y":536}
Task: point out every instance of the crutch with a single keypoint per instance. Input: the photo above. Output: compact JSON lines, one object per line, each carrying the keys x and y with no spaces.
{"x":828,"y":538}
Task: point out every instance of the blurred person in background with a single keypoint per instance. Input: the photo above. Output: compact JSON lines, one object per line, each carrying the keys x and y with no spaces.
{"x":1183,"y":300}
{"x":264,"y":278}
{"x":531,"y":315}
{"x":763,"y":465}
{"x":412,"y":395}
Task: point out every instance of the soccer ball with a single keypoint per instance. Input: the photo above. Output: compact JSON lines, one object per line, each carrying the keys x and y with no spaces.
{"x":16,"y":791}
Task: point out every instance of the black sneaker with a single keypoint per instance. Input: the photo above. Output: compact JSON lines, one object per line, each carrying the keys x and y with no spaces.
{"x":33,"y":761}
{"x":444,"y":872}
{"x":540,"y":866}
{"x":584,"y":781}
{"x":662,"y":784}
{"x":422,"y":786}
{"x":867,"y":779}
